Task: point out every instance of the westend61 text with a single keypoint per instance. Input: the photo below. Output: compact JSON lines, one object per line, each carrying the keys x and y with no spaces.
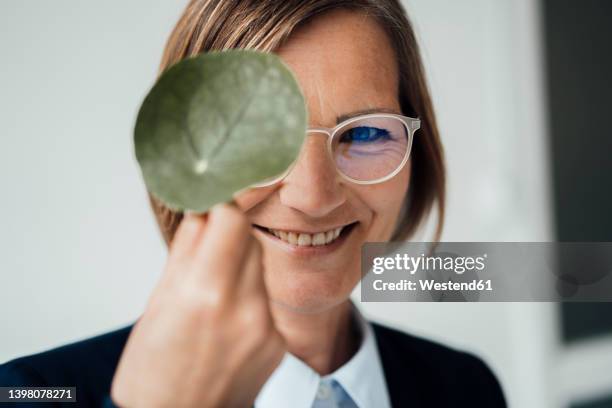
{"x":430,"y":284}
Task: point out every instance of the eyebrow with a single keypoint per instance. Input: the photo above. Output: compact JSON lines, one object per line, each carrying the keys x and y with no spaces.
{"x":349,"y":115}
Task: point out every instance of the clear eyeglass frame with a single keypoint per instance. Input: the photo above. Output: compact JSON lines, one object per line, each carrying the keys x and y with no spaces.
{"x":411,"y":124}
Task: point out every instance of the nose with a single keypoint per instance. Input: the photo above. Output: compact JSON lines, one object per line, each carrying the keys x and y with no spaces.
{"x":313,"y":186}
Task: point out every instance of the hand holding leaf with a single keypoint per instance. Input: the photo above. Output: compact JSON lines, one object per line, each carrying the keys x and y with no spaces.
{"x":212,"y":126}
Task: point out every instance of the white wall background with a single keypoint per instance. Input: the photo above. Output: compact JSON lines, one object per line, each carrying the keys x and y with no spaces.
{"x":80,"y":249}
{"x":81,"y":252}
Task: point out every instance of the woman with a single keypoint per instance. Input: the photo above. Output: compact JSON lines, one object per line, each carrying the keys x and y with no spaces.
{"x":253,"y":306}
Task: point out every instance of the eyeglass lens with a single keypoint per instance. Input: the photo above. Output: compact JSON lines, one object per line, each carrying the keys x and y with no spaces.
{"x":370,"y":148}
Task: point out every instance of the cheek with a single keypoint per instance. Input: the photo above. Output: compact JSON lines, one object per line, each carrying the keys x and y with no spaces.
{"x":385,"y":200}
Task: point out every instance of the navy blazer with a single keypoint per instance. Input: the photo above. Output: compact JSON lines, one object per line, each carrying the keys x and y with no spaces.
{"x":419,"y":373}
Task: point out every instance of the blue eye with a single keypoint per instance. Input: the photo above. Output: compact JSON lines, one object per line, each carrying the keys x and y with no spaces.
{"x":364,"y":134}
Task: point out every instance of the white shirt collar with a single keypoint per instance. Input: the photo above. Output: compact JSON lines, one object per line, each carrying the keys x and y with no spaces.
{"x":295,"y":384}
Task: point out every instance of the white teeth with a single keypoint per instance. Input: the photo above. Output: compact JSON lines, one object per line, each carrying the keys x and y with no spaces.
{"x":292,"y":238}
{"x":318,"y":239}
{"x":304,"y":239}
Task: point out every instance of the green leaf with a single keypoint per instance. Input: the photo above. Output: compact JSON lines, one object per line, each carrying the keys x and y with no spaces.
{"x":217,"y":123}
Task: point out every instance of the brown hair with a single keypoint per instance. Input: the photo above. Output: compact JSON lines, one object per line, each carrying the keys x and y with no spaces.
{"x":264,"y":25}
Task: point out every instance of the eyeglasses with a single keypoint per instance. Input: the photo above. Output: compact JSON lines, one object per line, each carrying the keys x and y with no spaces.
{"x":366,"y":149}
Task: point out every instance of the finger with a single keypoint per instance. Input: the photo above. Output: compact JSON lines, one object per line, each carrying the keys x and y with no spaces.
{"x":251,"y":276}
{"x":187,"y":235}
{"x":224,"y":243}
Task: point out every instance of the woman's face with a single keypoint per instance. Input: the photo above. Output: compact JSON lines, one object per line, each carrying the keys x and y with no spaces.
{"x":344,"y":64}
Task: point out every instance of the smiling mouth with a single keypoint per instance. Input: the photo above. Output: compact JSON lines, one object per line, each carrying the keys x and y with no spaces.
{"x":303,"y":239}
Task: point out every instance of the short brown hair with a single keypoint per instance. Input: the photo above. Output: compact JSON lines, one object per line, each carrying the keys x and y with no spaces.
{"x":264,"y":25}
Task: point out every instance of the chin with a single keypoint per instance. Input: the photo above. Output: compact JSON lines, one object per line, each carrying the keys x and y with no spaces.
{"x":308,"y":292}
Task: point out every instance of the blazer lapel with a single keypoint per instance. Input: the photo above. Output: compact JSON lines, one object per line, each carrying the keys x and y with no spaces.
{"x":399,"y":373}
